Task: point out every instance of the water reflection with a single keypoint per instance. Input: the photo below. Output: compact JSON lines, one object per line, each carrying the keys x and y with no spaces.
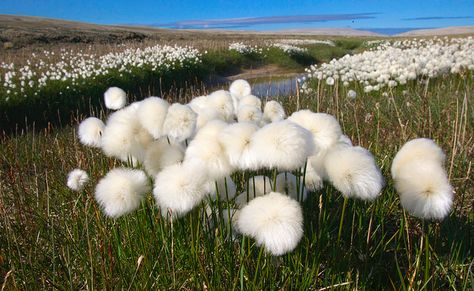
{"x":274,"y":86}
{"x":264,"y":87}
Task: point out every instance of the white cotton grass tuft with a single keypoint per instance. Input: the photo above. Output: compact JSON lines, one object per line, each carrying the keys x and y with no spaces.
{"x":179,"y":188}
{"x":121,"y":191}
{"x":275,"y":221}
{"x":206,"y":115}
{"x":273,"y":112}
{"x":283,"y":145}
{"x":211,"y":130}
{"x":235,"y":139}
{"x":212,"y":157}
{"x":224,"y":186}
{"x":256,"y":186}
{"x":316,"y":172}
{"x":76,"y":179}
{"x":206,"y":149}
{"x":124,"y":137}
{"x":421,"y":181}
{"x":251,"y":100}
{"x":330,"y":81}
{"x":199,"y":103}
{"x":249,"y":113}
{"x":221,"y":101}
{"x":161,"y":154}
{"x":317,"y":166}
{"x":417,"y":149}
{"x":151,"y":114}
{"x":344,"y":139}
{"x":424,"y":189}
{"x":90,"y":132}
{"x":324,"y":127}
{"x":312,"y":179}
{"x":353,"y":171}
{"x":115,"y":98}
{"x":240,"y":88}
{"x":287,"y":183}
{"x":180,"y":122}
{"x":351,"y":94}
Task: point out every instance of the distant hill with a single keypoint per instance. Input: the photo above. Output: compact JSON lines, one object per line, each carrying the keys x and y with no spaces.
{"x":440,"y":31}
{"x":328,"y":31}
{"x":29,"y":31}
{"x":21,"y":31}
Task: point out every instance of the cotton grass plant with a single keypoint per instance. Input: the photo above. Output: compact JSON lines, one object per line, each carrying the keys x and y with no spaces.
{"x":190,"y":151}
{"x":188,"y":163}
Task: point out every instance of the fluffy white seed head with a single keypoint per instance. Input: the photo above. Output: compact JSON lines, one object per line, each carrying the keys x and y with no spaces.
{"x":121,"y":191}
{"x":206,"y":115}
{"x":287,"y":183}
{"x":235,"y":139}
{"x":352,"y":170}
{"x":221,"y":101}
{"x":180,"y":122}
{"x":283,"y":145}
{"x":161,"y":154}
{"x":324,"y":127}
{"x":273,"y":112}
{"x":330,"y":81}
{"x":151,"y":114}
{"x":240,"y":88}
{"x":211,"y":155}
{"x":313,"y":180}
{"x":275,"y":221}
{"x":424,"y":189}
{"x":351,"y":94}
{"x":344,"y":139}
{"x":76,"y":179}
{"x":90,"y":132}
{"x":249,"y":113}
{"x":421,"y":149}
{"x":115,"y":98}
{"x":124,"y":137}
{"x":211,"y":130}
{"x":317,"y":163}
{"x":199,"y":103}
{"x":251,"y":100}
{"x":179,"y":188}
{"x":224,"y":186}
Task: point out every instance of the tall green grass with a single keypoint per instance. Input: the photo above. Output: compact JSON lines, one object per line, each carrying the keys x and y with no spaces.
{"x":53,"y":238}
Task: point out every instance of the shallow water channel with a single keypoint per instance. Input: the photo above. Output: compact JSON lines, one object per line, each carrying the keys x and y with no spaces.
{"x":263,"y":87}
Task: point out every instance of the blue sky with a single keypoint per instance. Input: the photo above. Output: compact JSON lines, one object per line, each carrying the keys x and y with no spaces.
{"x":254,"y":15}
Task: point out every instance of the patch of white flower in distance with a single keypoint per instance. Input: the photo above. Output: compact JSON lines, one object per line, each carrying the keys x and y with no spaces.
{"x":390,"y":64}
